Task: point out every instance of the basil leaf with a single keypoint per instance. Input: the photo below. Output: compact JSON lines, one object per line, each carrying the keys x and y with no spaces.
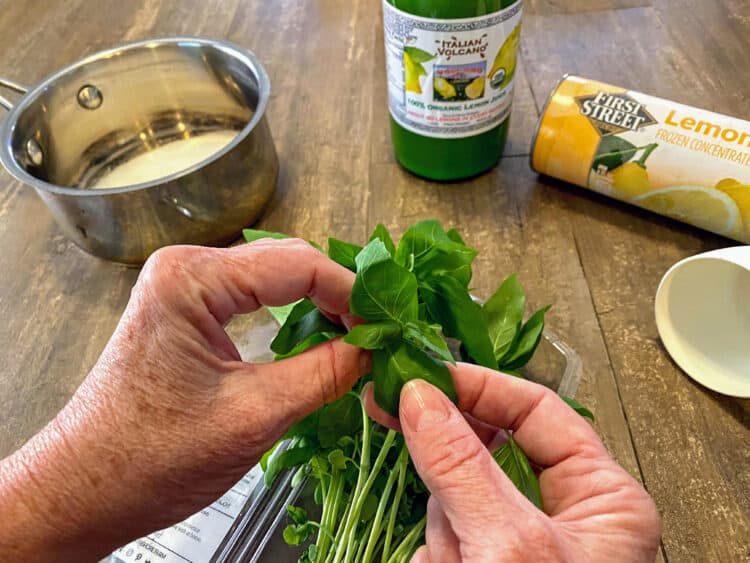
{"x":400,"y":362}
{"x":281,"y":313}
{"x":528,"y":340}
{"x":374,"y":252}
{"x":266,"y":456}
{"x":343,"y":253}
{"x":613,"y":152}
{"x":305,"y":428}
{"x":338,"y":419}
{"x":427,"y":250}
{"x":384,"y":291}
{"x":382,"y":233}
{"x":504,"y":315}
{"x":288,"y":458}
{"x":513,"y":461}
{"x":418,"y":55}
{"x":309,"y":342}
{"x":424,"y":335}
{"x":579,"y":408}
{"x":454,"y":235}
{"x":304,"y":321}
{"x":451,"y":306}
{"x":251,"y":235}
{"x":373,"y":335}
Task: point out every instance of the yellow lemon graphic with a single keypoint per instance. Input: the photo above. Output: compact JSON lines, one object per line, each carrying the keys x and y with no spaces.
{"x":505,"y":60}
{"x":444,"y":88}
{"x":740,"y":194}
{"x":703,"y":207}
{"x":412,"y":72}
{"x":630,"y":180}
{"x":475,"y":89}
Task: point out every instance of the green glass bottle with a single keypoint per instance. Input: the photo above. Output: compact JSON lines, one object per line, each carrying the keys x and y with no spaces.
{"x":450,"y":66}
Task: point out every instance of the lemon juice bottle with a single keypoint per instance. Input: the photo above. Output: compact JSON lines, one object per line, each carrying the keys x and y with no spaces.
{"x":450,"y":68}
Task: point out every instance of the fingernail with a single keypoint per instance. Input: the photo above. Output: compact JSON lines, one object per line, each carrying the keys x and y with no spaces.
{"x":423,"y":406}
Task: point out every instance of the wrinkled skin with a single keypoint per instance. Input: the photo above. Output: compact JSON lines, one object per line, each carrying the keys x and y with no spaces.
{"x":593,"y":509}
{"x":169,"y":417}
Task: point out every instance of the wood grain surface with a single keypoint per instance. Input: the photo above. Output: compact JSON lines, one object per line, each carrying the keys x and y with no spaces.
{"x":597,"y":261}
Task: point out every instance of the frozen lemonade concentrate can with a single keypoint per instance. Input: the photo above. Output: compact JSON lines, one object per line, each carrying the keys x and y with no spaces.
{"x":683,"y":162}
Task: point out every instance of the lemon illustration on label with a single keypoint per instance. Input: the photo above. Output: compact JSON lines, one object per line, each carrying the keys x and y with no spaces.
{"x":444,"y":88}
{"x":707,"y":208}
{"x":475,"y":89}
{"x":412,"y":72}
{"x":740,"y":193}
{"x":504,"y":66}
{"x":413,"y":69}
{"x":630,"y":180}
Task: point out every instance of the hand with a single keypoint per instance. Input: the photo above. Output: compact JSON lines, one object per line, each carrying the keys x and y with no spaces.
{"x":170,"y":417}
{"x":593,"y":509}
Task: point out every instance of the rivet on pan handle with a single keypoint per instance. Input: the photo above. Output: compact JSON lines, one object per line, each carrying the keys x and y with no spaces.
{"x":15,"y":86}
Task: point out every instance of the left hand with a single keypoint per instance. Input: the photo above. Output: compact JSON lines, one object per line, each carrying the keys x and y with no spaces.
{"x":170,"y":417}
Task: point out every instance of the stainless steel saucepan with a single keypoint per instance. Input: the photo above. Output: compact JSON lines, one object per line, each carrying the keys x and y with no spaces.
{"x":148,"y":144}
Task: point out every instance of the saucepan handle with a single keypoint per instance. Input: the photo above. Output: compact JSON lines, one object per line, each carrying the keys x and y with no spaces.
{"x":10,"y":85}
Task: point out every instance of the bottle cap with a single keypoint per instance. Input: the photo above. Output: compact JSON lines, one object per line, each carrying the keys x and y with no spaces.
{"x":702,"y":312}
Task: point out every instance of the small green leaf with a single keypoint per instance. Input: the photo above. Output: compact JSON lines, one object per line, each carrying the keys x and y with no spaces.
{"x":579,"y":408}
{"x":454,"y":235}
{"x":427,"y":250}
{"x":369,"y":507}
{"x":319,"y":467}
{"x":251,"y":235}
{"x":398,"y":363}
{"x":304,"y":321}
{"x":297,"y":514}
{"x":300,"y":475}
{"x":382,"y":233}
{"x":513,"y":461}
{"x":338,"y":419}
{"x":284,"y":460}
{"x":297,"y":534}
{"x":374,"y":252}
{"x":281,"y":313}
{"x":371,"y":336}
{"x":424,"y":335}
{"x":318,"y":496}
{"x":337,"y":459}
{"x":384,"y":291}
{"x":266,"y":456}
{"x":451,"y":306}
{"x":613,"y":152}
{"x":528,"y":340}
{"x":343,"y":253}
{"x":305,"y":428}
{"x":504,"y":315}
{"x":309,"y":342}
{"x":418,"y":55}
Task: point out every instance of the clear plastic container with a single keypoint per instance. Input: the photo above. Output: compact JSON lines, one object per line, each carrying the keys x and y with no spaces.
{"x":255,"y":536}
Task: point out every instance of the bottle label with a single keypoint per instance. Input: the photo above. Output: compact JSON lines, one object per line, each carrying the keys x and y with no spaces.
{"x":450,"y":78}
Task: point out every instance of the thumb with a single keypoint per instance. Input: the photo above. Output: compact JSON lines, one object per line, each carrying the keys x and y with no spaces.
{"x":457,"y":468}
{"x":290,"y":389}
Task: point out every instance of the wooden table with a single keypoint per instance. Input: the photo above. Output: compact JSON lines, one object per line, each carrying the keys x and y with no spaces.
{"x":597,"y":261}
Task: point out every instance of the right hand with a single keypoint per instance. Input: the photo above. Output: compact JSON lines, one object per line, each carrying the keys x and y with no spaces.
{"x":593,"y":509}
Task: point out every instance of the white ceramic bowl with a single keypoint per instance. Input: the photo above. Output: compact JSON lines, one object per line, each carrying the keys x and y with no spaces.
{"x":702,"y":312}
